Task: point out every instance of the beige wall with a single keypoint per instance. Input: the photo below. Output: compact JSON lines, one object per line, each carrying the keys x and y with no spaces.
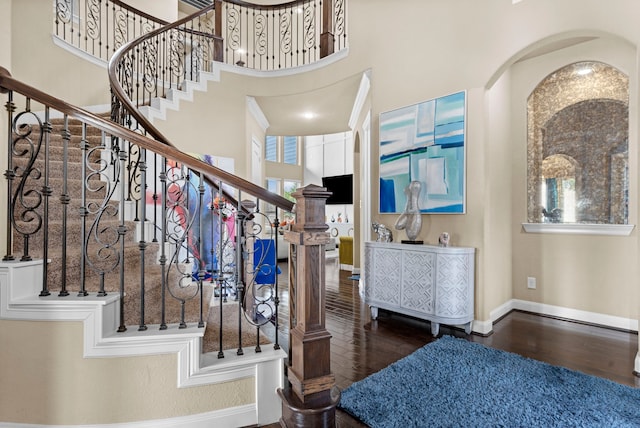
{"x":5,"y":62}
{"x":589,"y":273}
{"x":595,"y":274}
{"x":166,"y":10}
{"x":5,"y":35}
{"x":37,"y":62}
{"x":45,"y":380}
{"x":214,"y":123}
{"x":494,"y":279}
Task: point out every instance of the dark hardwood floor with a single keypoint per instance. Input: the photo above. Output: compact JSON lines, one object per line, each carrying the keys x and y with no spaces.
{"x":360,"y":346}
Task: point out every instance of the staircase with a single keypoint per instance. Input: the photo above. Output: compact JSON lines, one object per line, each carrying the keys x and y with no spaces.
{"x":69,"y":234}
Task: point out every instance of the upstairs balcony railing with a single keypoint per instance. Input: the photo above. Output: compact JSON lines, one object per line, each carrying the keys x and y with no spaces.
{"x":259,"y":37}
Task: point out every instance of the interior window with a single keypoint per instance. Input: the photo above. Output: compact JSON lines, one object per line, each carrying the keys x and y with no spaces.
{"x":290,"y":150}
{"x":577,"y":150}
{"x":271,"y":148}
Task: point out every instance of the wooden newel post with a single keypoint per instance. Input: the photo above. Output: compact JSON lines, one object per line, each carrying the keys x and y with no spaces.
{"x":326,"y":36}
{"x":218,"y":46}
{"x":312,"y":398}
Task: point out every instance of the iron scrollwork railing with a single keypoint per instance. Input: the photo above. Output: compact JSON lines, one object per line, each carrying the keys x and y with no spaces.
{"x":261,"y":37}
{"x":282,"y":36}
{"x":102,"y":170}
{"x":100,"y":27}
{"x":66,"y":193}
{"x":27,"y":138}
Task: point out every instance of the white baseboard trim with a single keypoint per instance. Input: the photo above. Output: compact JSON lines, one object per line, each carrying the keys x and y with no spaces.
{"x":225,"y":418}
{"x":611,"y":321}
{"x":482,"y":327}
{"x":577,"y":315}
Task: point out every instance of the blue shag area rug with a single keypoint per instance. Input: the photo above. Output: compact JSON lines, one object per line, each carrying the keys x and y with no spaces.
{"x":455,"y":383}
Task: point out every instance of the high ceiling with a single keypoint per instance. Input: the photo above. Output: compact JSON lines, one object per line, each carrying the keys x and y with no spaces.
{"x":330,"y":109}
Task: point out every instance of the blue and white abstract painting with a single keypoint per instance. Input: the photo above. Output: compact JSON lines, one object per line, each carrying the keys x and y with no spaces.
{"x":424,"y":142}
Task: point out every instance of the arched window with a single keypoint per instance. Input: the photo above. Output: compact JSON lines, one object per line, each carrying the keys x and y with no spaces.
{"x":577,"y":149}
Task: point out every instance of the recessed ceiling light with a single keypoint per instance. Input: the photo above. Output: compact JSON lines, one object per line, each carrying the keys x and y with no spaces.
{"x":308,"y":115}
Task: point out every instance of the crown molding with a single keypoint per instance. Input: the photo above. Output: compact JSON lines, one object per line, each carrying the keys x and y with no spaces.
{"x":257,"y":114}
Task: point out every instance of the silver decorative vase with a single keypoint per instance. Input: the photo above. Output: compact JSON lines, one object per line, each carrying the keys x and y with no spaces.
{"x":411,"y":220}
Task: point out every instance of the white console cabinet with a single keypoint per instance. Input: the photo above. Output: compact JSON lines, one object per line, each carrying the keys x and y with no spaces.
{"x":424,"y":281}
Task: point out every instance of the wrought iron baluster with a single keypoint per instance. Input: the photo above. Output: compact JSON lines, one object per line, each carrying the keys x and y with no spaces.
{"x":276,"y":295}
{"x":93,"y":25}
{"x":223,"y":291}
{"x":183,"y":235}
{"x":107,"y":32}
{"x":212,"y":251}
{"x":120,"y":36}
{"x":77,"y":17}
{"x":148,"y":67}
{"x":201,"y":237}
{"x":84,"y":145}
{"x":65,"y":199}
{"x":192,"y":56}
{"x":25,"y":218}
{"x":261,"y":38}
{"x":232,"y":38}
{"x":163,"y":63}
{"x":309,"y":42}
{"x":142,"y":244}
{"x":187,"y":195}
{"x":246,"y":38}
{"x":101,"y":253}
{"x":26,"y":137}
{"x":60,"y":13}
{"x":340,"y":19}
{"x":46,"y":193}
{"x":122,"y":229}
{"x":155,"y":198}
{"x":10,"y":175}
{"x":163,"y":243}
{"x":156,"y":75}
{"x":238,"y":278}
{"x":135,"y":190}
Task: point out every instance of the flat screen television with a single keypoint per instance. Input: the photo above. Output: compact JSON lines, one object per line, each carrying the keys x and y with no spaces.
{"x":342,"y":188}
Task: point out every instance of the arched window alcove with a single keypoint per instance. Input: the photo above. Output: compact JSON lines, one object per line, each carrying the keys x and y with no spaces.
{"x":577,"y":146}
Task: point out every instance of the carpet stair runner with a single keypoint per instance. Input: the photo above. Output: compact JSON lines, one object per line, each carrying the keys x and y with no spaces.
{"x":73,"y":235}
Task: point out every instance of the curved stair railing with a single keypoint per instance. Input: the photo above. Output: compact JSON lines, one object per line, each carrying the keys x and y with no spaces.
{"x":238,"y":33}
{"x":139,"y":71}
{"x":100,"y":27}
{"x":67,"y":205}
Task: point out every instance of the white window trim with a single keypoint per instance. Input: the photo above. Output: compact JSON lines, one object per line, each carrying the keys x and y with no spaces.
{"x":579,"y":229}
